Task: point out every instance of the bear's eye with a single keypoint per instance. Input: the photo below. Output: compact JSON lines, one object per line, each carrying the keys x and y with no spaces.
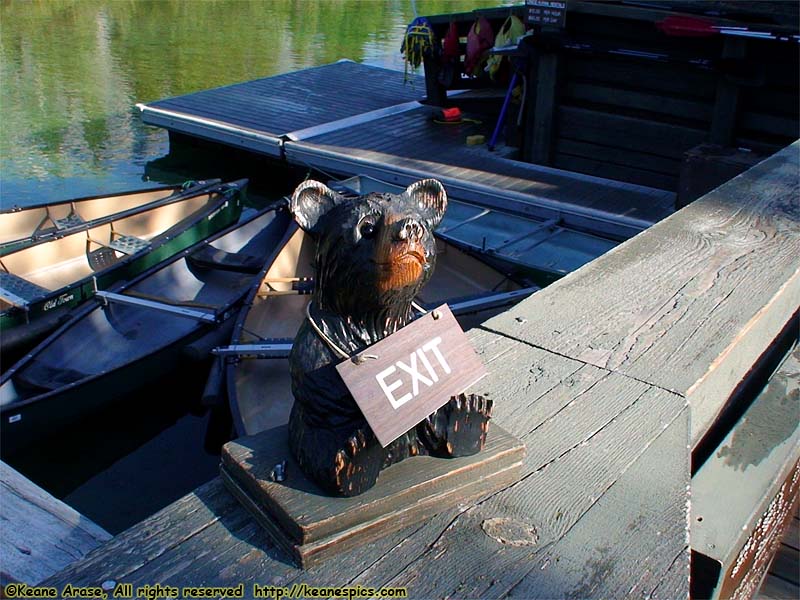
{"x":367,"y":230}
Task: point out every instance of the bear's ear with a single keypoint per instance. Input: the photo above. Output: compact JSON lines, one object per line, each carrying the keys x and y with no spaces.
{"x":310,"y":202}
{"x":430,"y":197}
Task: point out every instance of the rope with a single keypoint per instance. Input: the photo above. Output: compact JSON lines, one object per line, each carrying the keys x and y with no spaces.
{"x":418,"y":43}
{"x":331,"y":344}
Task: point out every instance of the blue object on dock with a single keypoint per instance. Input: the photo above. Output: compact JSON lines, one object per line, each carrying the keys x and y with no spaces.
{"x":503,"y":110}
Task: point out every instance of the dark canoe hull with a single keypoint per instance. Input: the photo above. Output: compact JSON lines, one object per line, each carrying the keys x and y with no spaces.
{"x":46,"y":312}
{"x":41,"y":212}
{"x":57,"y":412}
{"x":24,"y":421}
{"x":226,"y":392}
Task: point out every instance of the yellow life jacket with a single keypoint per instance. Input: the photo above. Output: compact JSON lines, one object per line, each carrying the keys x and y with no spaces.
{"x":511,"y":30}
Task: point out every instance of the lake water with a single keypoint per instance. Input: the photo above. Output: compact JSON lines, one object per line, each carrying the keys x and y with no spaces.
{"x":71,"y":72}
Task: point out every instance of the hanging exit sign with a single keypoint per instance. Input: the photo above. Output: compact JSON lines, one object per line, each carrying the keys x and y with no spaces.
{"x":405,"y":377}
{"x":552,"y":13}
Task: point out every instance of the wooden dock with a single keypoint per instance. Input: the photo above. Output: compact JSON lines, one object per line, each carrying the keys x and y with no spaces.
{"x":783,"y":578}
{"x":598,"y":374}
{"x":258,"y":115}
{"x":39,"y":535}
{"x":354,"y":119}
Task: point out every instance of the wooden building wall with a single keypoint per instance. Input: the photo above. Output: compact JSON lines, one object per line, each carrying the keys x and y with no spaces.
{"x":614,"y":96}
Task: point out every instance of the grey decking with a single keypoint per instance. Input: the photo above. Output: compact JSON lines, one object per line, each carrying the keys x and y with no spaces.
{"x":356,"y":119}
{"x":601,"y":509}
{"x":39,"y":534}
{"x":409,"y":145}
{"x":257,"y":114}
{"x":604,"y":487}
{"x":735,"y":254}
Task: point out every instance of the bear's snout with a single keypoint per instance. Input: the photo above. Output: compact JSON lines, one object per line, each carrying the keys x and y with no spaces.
{"x":409,"y":230}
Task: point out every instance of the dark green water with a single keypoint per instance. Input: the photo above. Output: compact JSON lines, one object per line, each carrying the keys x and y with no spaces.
{"x":71,"y":73}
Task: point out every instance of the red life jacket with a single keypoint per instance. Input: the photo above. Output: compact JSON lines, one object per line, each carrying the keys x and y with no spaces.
{"x":479,"y":40}
{"x":450,"y":49}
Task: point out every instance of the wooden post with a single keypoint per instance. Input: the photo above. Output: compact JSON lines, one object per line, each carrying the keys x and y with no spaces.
{"x":539,"y":128}
{"x":723,"y":120}
{"x":435,"y":91}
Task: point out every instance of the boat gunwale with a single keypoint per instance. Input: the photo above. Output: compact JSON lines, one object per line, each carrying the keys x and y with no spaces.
{"x":238,"y":327}
{"x":178,"y":193}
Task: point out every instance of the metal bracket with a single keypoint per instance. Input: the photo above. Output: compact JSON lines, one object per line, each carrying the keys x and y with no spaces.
{"x":276,"y":350}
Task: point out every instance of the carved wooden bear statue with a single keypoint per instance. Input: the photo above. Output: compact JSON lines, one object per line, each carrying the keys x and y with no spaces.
{"x":374,"y":253}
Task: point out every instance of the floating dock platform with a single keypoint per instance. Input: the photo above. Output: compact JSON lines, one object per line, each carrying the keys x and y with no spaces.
{"x":354,"y":119}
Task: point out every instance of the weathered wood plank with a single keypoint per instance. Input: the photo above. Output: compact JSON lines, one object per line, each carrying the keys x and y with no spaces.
{"x":209,"y":551}
{"x":39,"y":534}
{"x":690,"y":304}
{"x":632,"y":536}
{"x":635,"y":134}
{"x":627,"y":73}
{"x":608,"y":423}
{"x":541,"y":115}
{"x":291,"y":101}
{"x":627,"y":173}
{"x":786,"y":565}
{"x":637,"y":100}
{"x":771,"y":124}
{"x":589,"y":455}
{"x":775,"y":588}
{"x":305,"y":512}
{"x":792,"y":537}
{"x":619,"y":156}
{"x":153,"y":537}
{"x":675,"y":582}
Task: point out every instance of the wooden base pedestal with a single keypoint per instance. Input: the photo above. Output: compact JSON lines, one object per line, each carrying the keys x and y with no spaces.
{"x":312,"y":526}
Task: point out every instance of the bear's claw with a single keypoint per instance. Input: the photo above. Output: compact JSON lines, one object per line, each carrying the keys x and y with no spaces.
{"x":458,"y":428}
{"x":357,"y":465}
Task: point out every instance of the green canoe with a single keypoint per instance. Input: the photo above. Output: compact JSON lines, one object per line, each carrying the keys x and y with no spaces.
{"x":40,"y":283}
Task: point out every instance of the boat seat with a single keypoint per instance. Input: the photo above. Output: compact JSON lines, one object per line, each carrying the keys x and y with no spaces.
{"x":71,"y":220}
{"x":124,"y":244}
{"x":102,"y":258}
{"x":18,"y":291}
{"x":128,"y":244}
{"x":208,"y":257}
